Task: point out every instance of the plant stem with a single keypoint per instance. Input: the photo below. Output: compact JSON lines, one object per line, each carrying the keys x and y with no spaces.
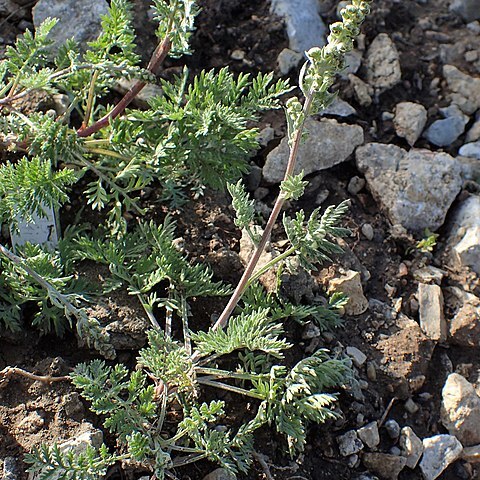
{"x":230,"y":388}
{"x":242,"y":285}
{"x":227,"y":374}
{"x":269,"y":265}
{"x":108,"y":153}
{"x":8,"y":372}
{"x":90,"y":99}
{"x":186,"y":331}
{"x":156,"y":61}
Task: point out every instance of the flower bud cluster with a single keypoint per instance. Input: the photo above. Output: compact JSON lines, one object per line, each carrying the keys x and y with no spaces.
{"x":324,"y":63}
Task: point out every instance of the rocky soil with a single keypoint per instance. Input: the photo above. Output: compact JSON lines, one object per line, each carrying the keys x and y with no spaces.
{"x":402,"y":142}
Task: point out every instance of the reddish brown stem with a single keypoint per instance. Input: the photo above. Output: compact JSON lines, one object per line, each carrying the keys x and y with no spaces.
{"x":242,"y":285}
{"x":156,"y":61}
{"x":7,"y":372}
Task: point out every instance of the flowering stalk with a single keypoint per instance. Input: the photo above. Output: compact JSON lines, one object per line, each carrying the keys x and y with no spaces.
{"x":316,"y":78}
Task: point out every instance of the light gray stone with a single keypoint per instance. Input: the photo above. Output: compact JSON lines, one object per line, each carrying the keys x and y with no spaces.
{"x":385,"y":465}
{"x":460,"y":412}
{"x":367,"y":230}
{"x":369,"y":435}
{"x":265,"y":136}
{"x":429,"y":274}
{"x":468,"y":10}
{"x":470,"y":150}
{"x":432,"y":319}
{"x":76,"y":18}
{"x":393,"y":428}
{"x":402,"y":181}
{"x":328,"y":143}
{"x":465,"y":232}
{"x":339,"y":108}
{"x":355,"y":185}
{"x":410,"y":119}
{"x":353,"y":62}
{"x":305,"y":27}
{"x":444,"y":132}
{"x":464,"y":89}
{"x":383,"y":63}
{"x":288,"y":60}
{"x":358,"y":357}
{"x":351,"y":285}
{"x":349,"y":443}
{"x":10,"y":469}
{"x":464,"y":328}
{"x":474,"y":133}
{"x":363,"y":91}
{"x":470,"y":168}
{"x":438,"y":453}
{"x":220,"y":474}
{"x":411,"y":446}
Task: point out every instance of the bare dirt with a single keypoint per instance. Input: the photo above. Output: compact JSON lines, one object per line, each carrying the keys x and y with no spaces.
{"x":406,"y":365}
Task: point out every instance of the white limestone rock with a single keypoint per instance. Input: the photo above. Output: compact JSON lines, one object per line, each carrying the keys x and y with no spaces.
{"x":415,"y":188}
{"x":328,"y":143}
{"x":410,"y":119}
{"x":464,"y":89}
{"x":432,"y":319}
{"x":438,"y":453}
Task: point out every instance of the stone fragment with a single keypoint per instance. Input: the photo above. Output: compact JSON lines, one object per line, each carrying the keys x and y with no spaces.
{"x":358,"y":357}
{"x":350,"y":284}
{"x":367,"y":230}
{"x":237,"y":55}
{"x":460,"y":411}
{"x":383,"y":63}
{"x":220,"y":474}
{"x":369,"y":435}
{"x":407,"y":354}
{"x":468,"y":10}
{"x":265,"y":136}
{"x":411,"y":446}
{"x":386,"y":466}
{"x":432,"y":320}
{"x":474,"y":133}
{"x":10,"y":469}
{"x":363,"y":91}
{"x":410,"y":119}
{"x":355,"y":185}
{"x":129,"y":331}
{"x":32,"y":422}
{"x":465,"y":326}
{"x":288,"y":60}
{"x":353,"y":62}
{"x":305,"y":27}
{"x":471,"y":454}
{"x":465,"y":90}
{"x":444,"y":132}
{"x":7,"y":8}
{"x":76,"y":18}
{"x":464,"y":239}
{"x":411,"y":406}
{"x":393,"y":428}
{"x":328,"y":143}
{"x":401,"y":182}
{"x":470,"y":150}
{"x":339,"y":108}
{"x":349,"y":443}
{"x":429,"y":274}
{"x":439,"y":452}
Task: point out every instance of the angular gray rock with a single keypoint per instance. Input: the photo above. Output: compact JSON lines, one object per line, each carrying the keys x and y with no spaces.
{"x":411,"y":446}
{"x":432,"y":319}
{"x":464,"y":89}
{"x":385,"y":465}
{"x":76,"y":18}
{"x":363,"y":91}
{"x":339,"y":108}
{"x":383,"y":63}
{"x":415,"y":188}
{"x":444,"y":132}
{"x":349,"y":443}
{"x":288,"y":60}
{"x":464,"y":239}
{"x":474,"y":133}
{"x":369,"y":435}
{"x":328,"y":143}
{"x":220,"y":474}
{"x":470,"y":150}
{"x":410,"y":119}
{"x":438,"y":453}
{"x":305,"y":27}
{"x":460,"y":412}
{"x":469,"y":10}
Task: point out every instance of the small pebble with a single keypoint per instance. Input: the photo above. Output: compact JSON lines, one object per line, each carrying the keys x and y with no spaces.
{"x":402,"y":270}
{"x":411,"y":406}
{"x":395,"y":451}
{"x":355,"y":185}
{"x":237,"y":55}
{"x":393,"y":429}
{"x":371,"y":372}
{"x":367,"y":230}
